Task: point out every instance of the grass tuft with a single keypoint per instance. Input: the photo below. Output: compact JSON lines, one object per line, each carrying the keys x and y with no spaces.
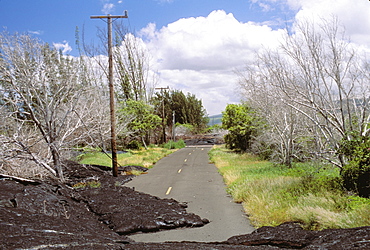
{"x":92,"y":184}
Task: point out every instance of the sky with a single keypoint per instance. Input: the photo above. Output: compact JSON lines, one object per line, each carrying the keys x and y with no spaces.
{"x":196,"y":46}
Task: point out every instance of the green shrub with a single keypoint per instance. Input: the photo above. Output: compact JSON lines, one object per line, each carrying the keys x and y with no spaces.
{"x":356,"y":178}
{"x":134,"y":145}
{"x":174,"y":145}
{"x":356,"y":174}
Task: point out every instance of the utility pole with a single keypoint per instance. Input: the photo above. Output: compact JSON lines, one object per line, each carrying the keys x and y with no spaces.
{"x":173,"y":126}
{"x":111,"y":90}
{"x":163,"y":118}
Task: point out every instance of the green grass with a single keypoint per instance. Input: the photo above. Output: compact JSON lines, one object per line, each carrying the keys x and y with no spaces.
{"x":174,"y":145}
{"x":308,"y":192}
{"x":144,"y":158}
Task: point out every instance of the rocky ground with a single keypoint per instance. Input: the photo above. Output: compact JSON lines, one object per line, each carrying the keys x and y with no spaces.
{"x":210,"y":139}
{"x":93,"y":210}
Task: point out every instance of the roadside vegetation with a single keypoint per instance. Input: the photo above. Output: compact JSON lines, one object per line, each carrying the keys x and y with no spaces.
{"x":306,"y":114}
{"x":139,"y":157}
{"x":310,"y":193}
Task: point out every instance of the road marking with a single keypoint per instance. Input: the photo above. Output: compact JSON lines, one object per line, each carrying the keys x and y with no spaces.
{"x":189,"y":153}
{"x":179,"y":171}
{"x":185,"y":160}
{"x":168,"y":190}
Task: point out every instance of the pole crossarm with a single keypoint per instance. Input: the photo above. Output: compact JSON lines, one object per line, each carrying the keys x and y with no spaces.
{"x":109,"y":17}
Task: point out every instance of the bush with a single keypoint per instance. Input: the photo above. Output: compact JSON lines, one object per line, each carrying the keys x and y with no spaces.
{"x":174,"y":145}
{"x":242,"y":125}
{"x":356,"y":174}
{"x":356,"y":178}
{"x":135,"y":145}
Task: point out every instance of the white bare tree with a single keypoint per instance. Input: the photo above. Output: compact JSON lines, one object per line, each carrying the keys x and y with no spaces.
{"x":134,"y":78}
{"x":48,"y":101}
{"x":318,"y":74}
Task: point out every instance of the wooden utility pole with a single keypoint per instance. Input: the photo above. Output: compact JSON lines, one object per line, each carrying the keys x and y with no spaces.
{"x":173,"y":126}
{"x":163,"y":118}
{"x":111,"y":89}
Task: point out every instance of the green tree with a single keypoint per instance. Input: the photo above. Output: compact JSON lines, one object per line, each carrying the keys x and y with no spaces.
{"x":144,"y":120}
{"x":239,"y":120}
{"x":187,"y":108}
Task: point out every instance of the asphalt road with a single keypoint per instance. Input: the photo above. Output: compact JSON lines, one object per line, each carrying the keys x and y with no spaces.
{"x":187,"y":176}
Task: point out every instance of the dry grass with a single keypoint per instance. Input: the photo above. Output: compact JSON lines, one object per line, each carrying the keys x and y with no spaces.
{"x":144,"y":158}
{"x":260,"y":201}
{"x":273,"y":195}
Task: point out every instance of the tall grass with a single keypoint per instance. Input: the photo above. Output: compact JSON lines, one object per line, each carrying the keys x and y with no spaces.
{"x":308,"y":193}
{"x":174,"y":144}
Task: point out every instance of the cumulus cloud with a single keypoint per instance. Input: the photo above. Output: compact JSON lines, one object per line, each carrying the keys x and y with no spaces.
{"x":355,"y":17}
{"x":64,"y":47}
{"x":213,"y":42}
{"x":200,"y":54}
{"x":214,"y":87}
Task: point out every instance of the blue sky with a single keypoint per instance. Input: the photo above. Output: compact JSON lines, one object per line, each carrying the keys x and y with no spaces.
{"x":55,"y":21}
{"x":195,"y":45}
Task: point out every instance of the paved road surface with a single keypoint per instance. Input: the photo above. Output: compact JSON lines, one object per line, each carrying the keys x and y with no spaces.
{"x":187,"y":176}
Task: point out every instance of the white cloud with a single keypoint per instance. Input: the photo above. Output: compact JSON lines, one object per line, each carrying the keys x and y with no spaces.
{"x":212,"y":42}
{"x":199,"y":54}
{"x":165,"y":1}
{"x":64,"y":47}
{"x":107,"y":8}
{"x":265,"y":7}
{"x":214,"y":88}
{"x":354,"y":16}
{"x":36,"y":32}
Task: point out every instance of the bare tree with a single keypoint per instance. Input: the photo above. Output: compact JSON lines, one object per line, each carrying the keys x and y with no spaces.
{"x":317,"y":73}
{"x":132,"y":68}
{"x":134,"y":78}
{"x":49,"y":103}
{"x":282,"y":138}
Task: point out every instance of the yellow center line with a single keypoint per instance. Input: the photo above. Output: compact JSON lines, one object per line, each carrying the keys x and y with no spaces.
{"x":185,"y":160}
{"x":168,"y":190}
{"x":179,"y":171}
